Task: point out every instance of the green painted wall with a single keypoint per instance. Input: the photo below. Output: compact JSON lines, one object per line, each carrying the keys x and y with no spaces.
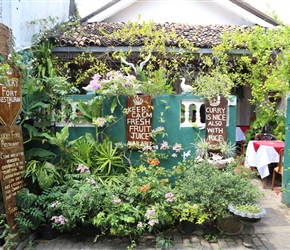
{"x":185,"y":136}
{"x":286,"y":174}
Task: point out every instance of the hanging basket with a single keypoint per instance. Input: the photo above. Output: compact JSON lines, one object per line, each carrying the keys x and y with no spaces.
{"x":5,"y":41}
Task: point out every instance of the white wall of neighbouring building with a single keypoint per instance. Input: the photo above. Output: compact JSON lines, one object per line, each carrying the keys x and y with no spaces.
{"x":17,"y":14}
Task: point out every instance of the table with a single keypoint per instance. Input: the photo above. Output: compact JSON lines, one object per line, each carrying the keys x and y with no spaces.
{"x":261,"y":153}
{"x":240,"y":136}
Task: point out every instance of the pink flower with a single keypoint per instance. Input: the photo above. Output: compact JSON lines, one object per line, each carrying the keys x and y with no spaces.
{"x":153,"y":222}
{"x":95,"y":85}
{"x":100,"y":121}
{"x":277,"y":190}
{"x":169,"y":197}
{"x":83,"y":169}
{"x":164,"y":145}
{"x":177,"y":147}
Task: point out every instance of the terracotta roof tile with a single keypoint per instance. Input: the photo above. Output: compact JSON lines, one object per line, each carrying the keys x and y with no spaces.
{"x":202,"y":36}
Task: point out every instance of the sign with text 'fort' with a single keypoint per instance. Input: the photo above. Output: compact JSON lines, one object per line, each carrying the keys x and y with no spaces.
{"x":12,"y":166}
{"x":138,"y":120}
{"x":216,"y":120}
{"x":10,"y":97}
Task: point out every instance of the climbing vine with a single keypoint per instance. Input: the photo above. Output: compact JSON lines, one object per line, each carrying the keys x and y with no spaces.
{"x":264,"y":67}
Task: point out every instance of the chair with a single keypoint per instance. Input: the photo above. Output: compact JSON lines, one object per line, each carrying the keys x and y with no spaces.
{"x":279,"y":168}
{"x":264,"y":137}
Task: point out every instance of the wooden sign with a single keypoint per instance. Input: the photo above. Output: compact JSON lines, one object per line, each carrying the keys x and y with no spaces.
{"x":12,"y":164}
{"x":138,"y":120}
{"x":216,"y":120}
{"x":10,"y":97}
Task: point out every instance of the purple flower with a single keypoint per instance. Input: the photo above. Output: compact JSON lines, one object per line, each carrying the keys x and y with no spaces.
{"x":59,"y":219}
{"x":150,"y":213}
{"x":177,"y":147}
{"x":100,"y":121}
{"x":91,"y":181}
{"x":153,"y":222}
{"x":83,"y":169}
{"x":164,"y":145}
{"x":169,"y":197}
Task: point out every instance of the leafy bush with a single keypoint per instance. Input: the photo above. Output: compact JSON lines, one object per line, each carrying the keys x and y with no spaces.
{"x":213,"y":189}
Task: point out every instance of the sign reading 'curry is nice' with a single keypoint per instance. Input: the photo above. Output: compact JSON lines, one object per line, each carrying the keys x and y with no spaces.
{"x":10,"y":97}
{"x":216,"y":120}
{"x":139,"y":120}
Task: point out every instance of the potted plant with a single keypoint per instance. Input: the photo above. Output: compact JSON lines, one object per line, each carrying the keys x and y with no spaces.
{"x":220,"y":154}
{"x":189,"y":215}
{"x":213,"y":189}
{"x":248,"y":214}
{"x":32,"y":214}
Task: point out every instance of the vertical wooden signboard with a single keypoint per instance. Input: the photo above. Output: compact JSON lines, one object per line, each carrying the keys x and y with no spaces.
{"x":12,"y":166}
{"x":10,"y":98}
{"x":12,"y":161}
{"x":216,"y":120}
{"x":139,"y":120}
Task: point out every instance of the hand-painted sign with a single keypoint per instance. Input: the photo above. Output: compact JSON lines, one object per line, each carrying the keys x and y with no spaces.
{"x":10,"y":97}
{"x":216,"y":120}
{"x":139,"y":120}
{"x":12,"y":166}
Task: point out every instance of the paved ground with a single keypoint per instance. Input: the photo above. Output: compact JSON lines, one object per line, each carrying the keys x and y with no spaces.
{"x":272,"y":232}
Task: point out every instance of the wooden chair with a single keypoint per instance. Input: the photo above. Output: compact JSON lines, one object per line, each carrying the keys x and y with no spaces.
{"x":264,"y":137}
{"x":279,"y":168}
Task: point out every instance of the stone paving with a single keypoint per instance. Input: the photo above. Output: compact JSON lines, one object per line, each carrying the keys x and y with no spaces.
{"x":271,"y":233}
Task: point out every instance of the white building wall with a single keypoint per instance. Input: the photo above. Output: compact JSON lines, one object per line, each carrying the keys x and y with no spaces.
{"x":181,"y":11}
{"x":17,"y":14}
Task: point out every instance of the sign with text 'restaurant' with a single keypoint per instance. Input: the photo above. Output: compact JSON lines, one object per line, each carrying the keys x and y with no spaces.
{"x":12,"y":166}
{"x":216,"y":120}
{"x":10,"y":97}
{"x":139,"y":120}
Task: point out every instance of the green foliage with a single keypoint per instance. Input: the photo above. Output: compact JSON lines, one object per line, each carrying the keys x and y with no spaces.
{"x":30,"y":215}
{"x":187,"y":211}
{"x":4,"y":68}
{"x":44,"y":64}
{"x":163,"y":242}
{"x":81,"y":151}
{"x":44,"y":173}
{"x":108,"y":159}
{"x":212,"y":189}
{"x":265,"y":68}
{"x":60,"y":139}
{"x":86,"y":65}
{"x":279,"y":127}
{"x":25,"y":199}
{"x":32,"y":102}
{"x":88,"y":111}
{"x":138,"y":203}
{"x":213,"y":84}
{"x":248,"y":208}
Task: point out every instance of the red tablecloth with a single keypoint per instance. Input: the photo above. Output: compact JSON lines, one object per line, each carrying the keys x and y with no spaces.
{"x":244,"y":128}
{"x":277,"y":145}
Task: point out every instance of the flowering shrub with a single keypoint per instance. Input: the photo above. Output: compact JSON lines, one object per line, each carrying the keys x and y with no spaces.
{"x":114,"y":84}
{"x":141,"y":202}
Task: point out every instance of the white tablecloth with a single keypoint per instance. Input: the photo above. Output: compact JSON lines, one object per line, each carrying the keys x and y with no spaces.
{"x":240,"y":136}
{"x":260,"y":159}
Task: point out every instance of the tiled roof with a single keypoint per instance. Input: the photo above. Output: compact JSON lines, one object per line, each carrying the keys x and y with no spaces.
{"x":202,"y":36}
